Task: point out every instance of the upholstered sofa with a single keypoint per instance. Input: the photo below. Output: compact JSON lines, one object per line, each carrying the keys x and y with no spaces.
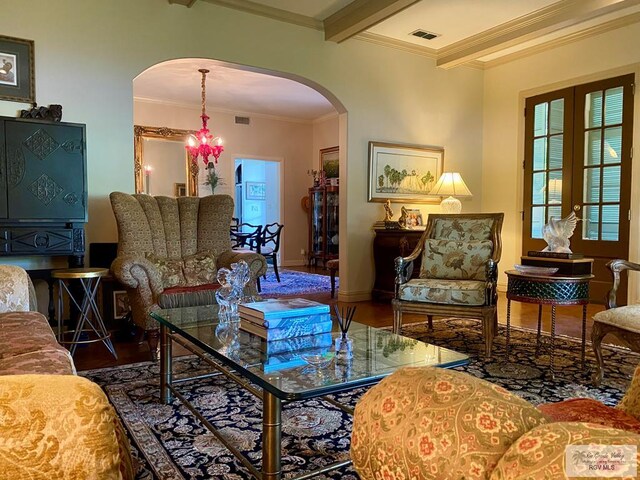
{"x":53,"y":424}
{"x":430,"y":423}
{"x":169,"y":251}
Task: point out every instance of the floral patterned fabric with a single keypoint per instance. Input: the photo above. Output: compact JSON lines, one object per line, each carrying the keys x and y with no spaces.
{"x":630,"y":403}
{"x":172,"y":229}
{"x":590,"y":410}
{"x":455,"y":259}
{"x":463,"y":229}
{"x":449,"y":292}
{"x":170,"y":270}
{"x":60,"y":427}
{"x":540,"y":453}
{"x":14,"y":289}
{"x":431,"y":423}
{"x":200,"y":268}
{"x":627,"y":317}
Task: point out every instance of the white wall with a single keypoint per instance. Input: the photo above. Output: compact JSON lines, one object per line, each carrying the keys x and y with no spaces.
{"x":87,"y":53}
{"x":505,"y":89}
{"x":266,"y":138}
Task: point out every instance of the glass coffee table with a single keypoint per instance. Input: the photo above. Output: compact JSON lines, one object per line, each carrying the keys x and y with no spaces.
{"x":279,"y":375}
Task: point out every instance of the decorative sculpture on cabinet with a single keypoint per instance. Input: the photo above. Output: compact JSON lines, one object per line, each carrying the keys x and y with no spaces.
{"x":557,"y":233}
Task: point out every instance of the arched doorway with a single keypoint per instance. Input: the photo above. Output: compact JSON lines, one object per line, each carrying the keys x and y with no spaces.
{"x":259,"y":114}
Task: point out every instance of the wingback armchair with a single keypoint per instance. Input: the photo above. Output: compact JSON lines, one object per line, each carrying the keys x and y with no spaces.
{"x":169,"y":252}
{"x":458,"y":274}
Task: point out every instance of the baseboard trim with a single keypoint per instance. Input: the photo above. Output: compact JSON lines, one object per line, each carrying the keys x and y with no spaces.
{"x":354,"y":296}
{"x":293,"y":263}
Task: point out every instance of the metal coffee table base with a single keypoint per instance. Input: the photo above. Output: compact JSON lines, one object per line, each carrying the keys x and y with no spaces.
{"x":271,"y":411}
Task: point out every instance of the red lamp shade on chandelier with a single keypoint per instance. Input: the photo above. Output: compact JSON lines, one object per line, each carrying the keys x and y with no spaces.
{"x":203,"y":144}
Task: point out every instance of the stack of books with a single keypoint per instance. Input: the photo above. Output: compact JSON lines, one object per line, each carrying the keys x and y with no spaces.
{"x":287,"y":328}
{"x":278,"y":319}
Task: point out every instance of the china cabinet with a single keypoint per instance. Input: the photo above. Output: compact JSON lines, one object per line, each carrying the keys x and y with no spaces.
{"x":323,"y":224}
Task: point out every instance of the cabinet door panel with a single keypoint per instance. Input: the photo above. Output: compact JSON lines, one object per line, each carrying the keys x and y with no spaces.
{"x":46,"y":170}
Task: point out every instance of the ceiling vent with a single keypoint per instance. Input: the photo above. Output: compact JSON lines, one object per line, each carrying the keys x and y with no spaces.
{"x":424,"y":34}
{"x":243,"y":120}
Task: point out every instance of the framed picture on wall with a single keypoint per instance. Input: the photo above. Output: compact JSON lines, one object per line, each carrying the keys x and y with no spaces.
{"x":17,"y":71}
{"x":256,"y":190}
{"x":121,"y":305}
{"x":329,"y":162}
{"x":179,"y":190}
{"x":403,"y":173}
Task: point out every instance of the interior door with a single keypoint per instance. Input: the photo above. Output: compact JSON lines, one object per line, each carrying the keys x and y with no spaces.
{"x":578,"y":157}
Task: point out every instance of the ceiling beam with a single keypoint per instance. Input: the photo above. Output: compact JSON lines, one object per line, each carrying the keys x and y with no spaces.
{"x":360,"y":15}
{"x":541,"y":22}
{"x":185,"y":3}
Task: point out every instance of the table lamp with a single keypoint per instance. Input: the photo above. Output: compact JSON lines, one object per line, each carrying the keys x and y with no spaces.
{"x":451,"y":184}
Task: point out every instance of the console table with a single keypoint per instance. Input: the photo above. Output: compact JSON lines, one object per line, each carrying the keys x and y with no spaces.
{"x":387,"y":245}
{"x":548,"y":290}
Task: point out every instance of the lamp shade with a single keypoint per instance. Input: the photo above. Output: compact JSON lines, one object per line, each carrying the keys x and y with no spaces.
{"x":451,"y":183}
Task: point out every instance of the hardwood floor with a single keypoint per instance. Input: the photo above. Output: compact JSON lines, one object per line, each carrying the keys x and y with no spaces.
{"x":568,"y":322}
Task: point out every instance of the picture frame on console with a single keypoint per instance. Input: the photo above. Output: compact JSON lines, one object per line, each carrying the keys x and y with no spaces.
{"x":414,"y":218}
{"x":404,"y":173}
{"x":17,"y":70}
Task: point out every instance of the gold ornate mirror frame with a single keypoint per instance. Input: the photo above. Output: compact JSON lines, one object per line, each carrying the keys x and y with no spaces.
{"x":171,"y":134}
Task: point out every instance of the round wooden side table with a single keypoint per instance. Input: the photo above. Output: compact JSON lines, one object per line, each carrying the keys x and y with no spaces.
{"x":89,"y":320}
{"x":548,"y":290}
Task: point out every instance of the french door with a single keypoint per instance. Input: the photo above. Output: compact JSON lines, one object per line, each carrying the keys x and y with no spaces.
{"x":578,"y":158}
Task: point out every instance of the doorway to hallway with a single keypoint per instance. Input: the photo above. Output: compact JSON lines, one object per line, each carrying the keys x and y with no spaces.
{"x":257,"y":191}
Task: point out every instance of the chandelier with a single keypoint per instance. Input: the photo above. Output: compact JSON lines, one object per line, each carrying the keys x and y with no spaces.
{"x":203,"y":144}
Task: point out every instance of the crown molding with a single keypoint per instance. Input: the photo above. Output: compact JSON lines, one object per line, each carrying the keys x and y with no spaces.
{"x":240,"y":113}
{"x":397,"y":44}
{"x":325,"y":118}
{"x":270,"y":12}
{"x":545,"y":20}
{"x":571,"y":38}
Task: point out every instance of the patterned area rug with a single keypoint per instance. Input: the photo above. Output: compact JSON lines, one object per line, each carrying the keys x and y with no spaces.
{"x":169,"y":443}
{"x":295,"y":283}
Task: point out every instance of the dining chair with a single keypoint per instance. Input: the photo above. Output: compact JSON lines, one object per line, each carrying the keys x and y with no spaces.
{"x":270,"y":246}
{"x":248,"y":238}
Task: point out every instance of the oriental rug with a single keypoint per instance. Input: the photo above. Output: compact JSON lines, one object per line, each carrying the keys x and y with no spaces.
{"x":295,"y":283}
{"x":169,"y":443}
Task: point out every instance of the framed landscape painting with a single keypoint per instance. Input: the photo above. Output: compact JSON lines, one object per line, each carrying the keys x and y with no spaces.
{"x":329,"y":162}
{"x":403,"y":173}
{"x":17,"y":78}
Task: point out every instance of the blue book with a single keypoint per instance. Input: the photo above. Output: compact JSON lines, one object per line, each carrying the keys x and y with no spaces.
{"x":296,"y":344}
{"x":295,"y":329}
{"x":284,"y":359}
{"x":289,"y":322}
{"x":282,"y":308}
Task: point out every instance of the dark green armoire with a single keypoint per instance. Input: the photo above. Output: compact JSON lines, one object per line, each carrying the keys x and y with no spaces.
{"x":43,"y":188}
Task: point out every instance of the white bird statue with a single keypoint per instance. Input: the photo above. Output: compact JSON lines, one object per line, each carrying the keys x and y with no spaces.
{"x":557,"y":233}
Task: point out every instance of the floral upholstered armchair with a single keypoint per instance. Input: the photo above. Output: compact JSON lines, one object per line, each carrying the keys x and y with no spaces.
{"x":437,"y":424}
{"x":458,"y":274}
{"x":169,"y":252}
